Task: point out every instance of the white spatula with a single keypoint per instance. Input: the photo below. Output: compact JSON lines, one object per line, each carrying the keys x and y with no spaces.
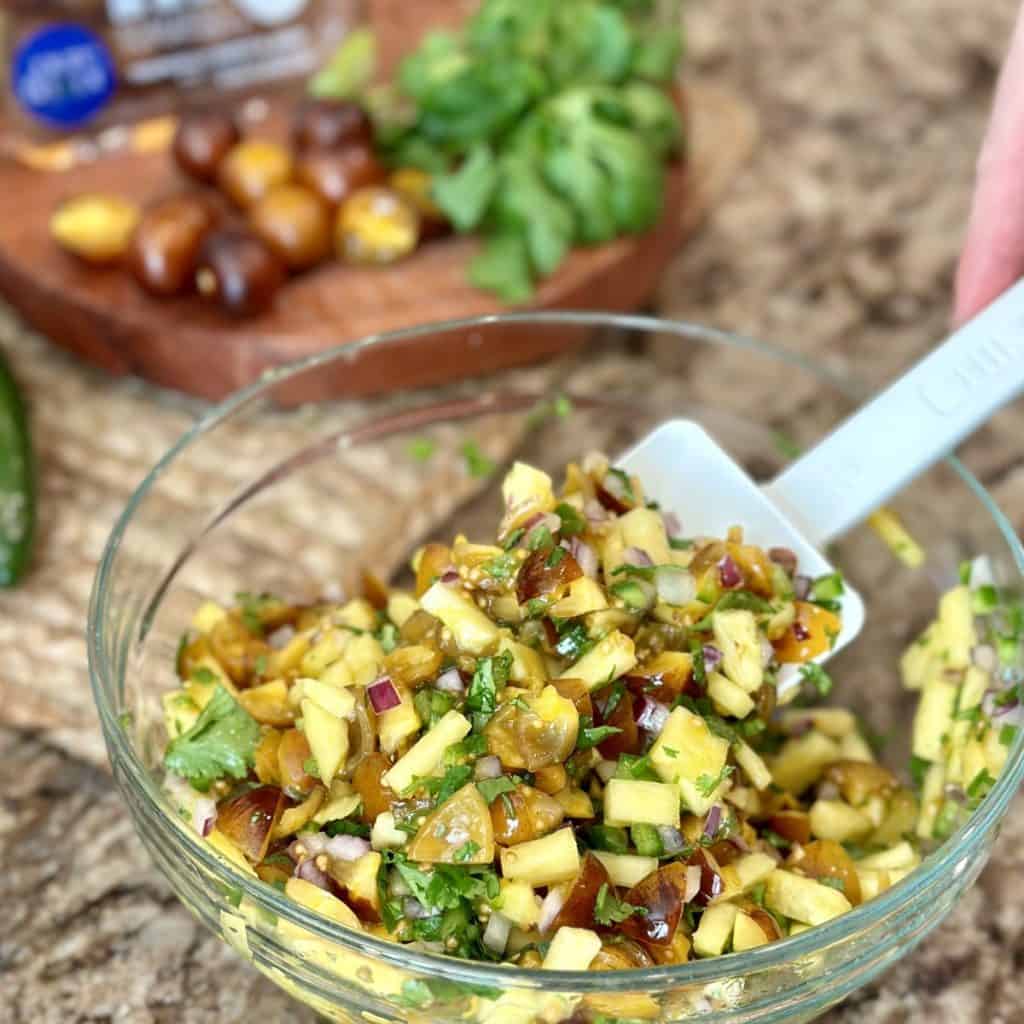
{"x":863,"y":462}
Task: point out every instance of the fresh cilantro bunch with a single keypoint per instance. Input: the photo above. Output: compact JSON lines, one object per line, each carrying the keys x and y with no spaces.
{"x":546,"y":125}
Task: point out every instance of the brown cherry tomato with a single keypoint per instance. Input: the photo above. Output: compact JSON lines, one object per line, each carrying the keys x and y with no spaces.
{"x":237,"y":649}
{"x":526,"y":814}
{"x":165,"y":248}
{"x":664,"y":677}
{"x":327,"y":124}
{"x":251,"y":169}
{"x":859,"y":780}
{"x":812,"y":633}
{"x":335,"y":175}
{"x":294,"y":222}
{"x":825,"y":858}
{"x":239,"y":271}
{"x":434,"y":561}
{"x":661,"y":894}
{"x":96,"y":228}
{"x":622,"y":955}
{"x":628,"y":739}
{"x":546,"y":573}
{"x":249,"y":818}
{"x":711,"y":884}
{"x":578,"y":692}
{"x":202,"y":141}
{"x":293,"y":755}
{"x":375,"y":225}
{"x":792,"y":825}
{"x":375,"y":795}
{"x":578,"y":909}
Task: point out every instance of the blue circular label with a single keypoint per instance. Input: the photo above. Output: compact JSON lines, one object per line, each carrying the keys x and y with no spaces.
{"x":63,"y":75}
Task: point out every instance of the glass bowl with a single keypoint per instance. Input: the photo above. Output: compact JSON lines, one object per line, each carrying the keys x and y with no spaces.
{"x":266,"y":495}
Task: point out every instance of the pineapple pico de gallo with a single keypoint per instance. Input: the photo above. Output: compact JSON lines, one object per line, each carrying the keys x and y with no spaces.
{"x":564,"y":749}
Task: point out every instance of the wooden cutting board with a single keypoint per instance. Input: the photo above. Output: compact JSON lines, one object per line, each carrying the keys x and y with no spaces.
{"x":187,"y":345}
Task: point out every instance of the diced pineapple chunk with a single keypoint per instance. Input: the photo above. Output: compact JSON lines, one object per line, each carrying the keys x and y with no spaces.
{"x":288,"y":658}
{"x":473,"y":631}
{"x":519,"y":903}
{"x":325,"y":650}
{"x":575,"y":803}
{"x":208,"y":615}
{"x":834,"y":819}
{"x":207,"y":675}
{"x":359,"y":614}
{"x":385,"y":835}
{"x":527,"y":664}
{"x":956,"y":625}
{"x":314,"y":898}
{"x":644,"y":528}
{"x":359,"y":879}
{"x":715,"y":929}
{"x":327,"y":735}
{"x":932,"y":798}
{"x":229,"y":851}
{"x":397,"y":724}
{"x":626,"y":869}
{"x":338,"y":674}
{"x":752,"y":764}
{"x":736,"y":635}
{"x":853,"y":747}
{"x":636,"y":802}
{"x":525,"y":490}
{"x":801,"y":761}
{"x":834,"y":722}
{"x":728,"y":697}
{"x":916,"y":664}
{"x":545,"y":861}
{"x":572,"y":949}
{"x":341,"y":802}
{"x":332,"y":698}
{"x":427,"y":752}
{"x":902,"y":855}
{"x":744,"y":873}
{"x":688,"y":754}
{"x":872,"y":881}
{"x":803,"y":899}
{"x":612,"y":656}
{"x":747,"y":933}
{"x":180,"y":713}
{"x":364,"y":657}
{"x":400,"y":606}
{"x":933,"y":718}
{"x":585,"y":596}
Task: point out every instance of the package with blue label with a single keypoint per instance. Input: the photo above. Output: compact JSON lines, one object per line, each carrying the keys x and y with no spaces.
{"x":92,"y":75}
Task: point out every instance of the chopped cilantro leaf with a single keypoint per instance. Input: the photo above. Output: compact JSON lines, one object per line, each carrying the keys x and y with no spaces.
{"x":779,"y":842}
{"x":707,"y":784}
{"x":466,"y":851}
{"x":563,"y":407}
{"x":513,"y":539}
{"x":1007,"y":734}
{"x":491,"y":789}
{"x":680,"y":543}
{"x":786,"y":446}
{"x":634,"y":766}
{"x":478,"y":465}
{"x":310,"y":767}
{"x":204,"y":675}
{"x":626,"y":484}
{"x":501,"y":567}
{"x":574,"y":642}
{"x":539,"y":537}
{"x":828,"y":588}
{"x":645,"y":572}
{"x":422,"y":449}
{"x":347,"y":827}
{"x":618,"y":691}
{"x":450,"y":783}
{"x":744,"y":600}
{"x":573,"y":522}
{"x":700,"y":676}
{"x":918,"y":769}
{"x":221,"y":743}
{"x":609,"y":909}
{"x":814,"y":674}
{"x":980,"y":785}
{"x":590,"y":735}
{"x":491,"y":674}
{"x":965,"y":573}
{"x":251,"y":606}
{"x":556,"y":556}
{"x":432,"y":705}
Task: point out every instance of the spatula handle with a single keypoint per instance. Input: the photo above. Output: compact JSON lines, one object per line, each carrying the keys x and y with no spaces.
{"x":909,"y":426}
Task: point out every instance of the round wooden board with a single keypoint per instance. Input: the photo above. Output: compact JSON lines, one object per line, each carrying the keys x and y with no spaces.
{"x":188,"y":345}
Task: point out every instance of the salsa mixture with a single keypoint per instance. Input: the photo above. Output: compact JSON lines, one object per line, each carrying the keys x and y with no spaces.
{"x":566,"y":748}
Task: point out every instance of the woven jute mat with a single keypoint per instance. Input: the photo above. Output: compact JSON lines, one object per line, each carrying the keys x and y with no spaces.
{"x":96,"y":438}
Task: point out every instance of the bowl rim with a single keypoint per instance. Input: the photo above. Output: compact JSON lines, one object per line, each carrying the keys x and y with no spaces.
{"x":950,"y":859}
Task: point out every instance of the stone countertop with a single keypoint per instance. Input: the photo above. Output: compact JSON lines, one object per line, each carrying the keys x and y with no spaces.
{"x":839,"y":240}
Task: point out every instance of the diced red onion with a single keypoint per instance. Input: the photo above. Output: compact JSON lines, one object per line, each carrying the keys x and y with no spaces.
{"x":767,"y":651}
{"x":308,"y":871}
{"x":713,"y":820}
{"x":673,"y":527}
{"x":712,"y":657}
{"x":1005,"y":709}
{"x":729,"y":574}
{"x":801,"y":587}
{"x":488,"y":767}
{"x":586,"y":557}
{"x":450,"y":681}
{"x":652,"y":716}
{"x":204,"y":816}
{"x":637,"y":556}
{"x":449,"y":576}
{"x":800,"y":726}
{"x":281,"y":637}
{"x":495,"y":936}
{"x":671,"y":839}
{"x":692,"y":883}
{"x":606,"y":770}
{"x":309,"y":844}
{"x":346,"y":847}
{"x":594,"y":511}
{"x":784,"y":557}
{"x":984,"y":657}
{"x":675,"y":585}
{"x":414,"y":910}
{"x":383,"y":695}
{"x":550,"y":908}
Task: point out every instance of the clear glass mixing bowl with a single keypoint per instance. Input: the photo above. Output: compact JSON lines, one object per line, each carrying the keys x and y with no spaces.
{"x":264,"y":494}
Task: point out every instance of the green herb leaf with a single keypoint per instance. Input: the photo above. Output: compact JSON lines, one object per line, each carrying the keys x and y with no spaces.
{"x":817,"y":677}
{"x":221,"y":743}
{"x":422,"y":449}
{"x":491,"y":789}
{"x":490,"y":676}
{"x":707,"y":784}
{"x":466,"y":851}
{"x":501,"y":567}
{"x":347,"y":827}
{"x":573,"y":523}
{"x":591,"y":735}
{"x":609,"y":909}
{"x":478,"y":465}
